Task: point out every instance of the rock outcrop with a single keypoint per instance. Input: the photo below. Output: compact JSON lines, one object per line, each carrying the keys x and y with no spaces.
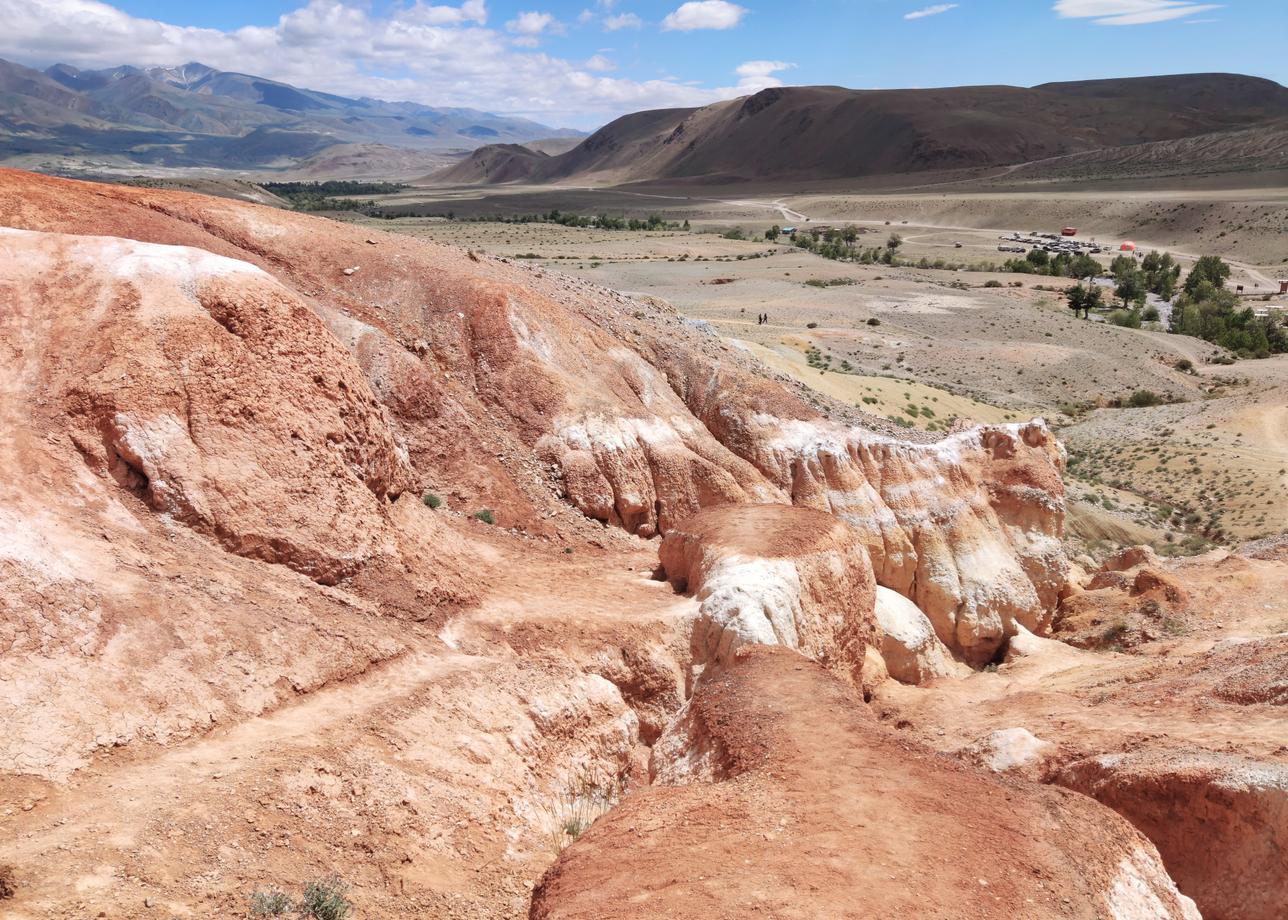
{"x":911,"y":651}
{"x":1131,"y":599}
{"x":212,"y":392}
{"x":774,"y":575}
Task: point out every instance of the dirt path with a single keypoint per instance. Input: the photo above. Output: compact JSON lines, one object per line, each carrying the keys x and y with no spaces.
{"x":141,"y":788}
{"x":135,"y":820}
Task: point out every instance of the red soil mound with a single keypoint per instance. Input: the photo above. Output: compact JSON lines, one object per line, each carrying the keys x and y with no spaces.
{"x":813,"y":810}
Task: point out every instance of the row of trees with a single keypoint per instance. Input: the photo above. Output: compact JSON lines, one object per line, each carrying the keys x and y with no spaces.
{"x":332,"y":195}
{"x":593,"y":222}
{"x":839,"y":244}
{"x":1061,"y":265}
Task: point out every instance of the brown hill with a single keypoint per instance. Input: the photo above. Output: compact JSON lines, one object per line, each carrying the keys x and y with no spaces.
{"x":493,"y":164}
{"x":826,"y":132}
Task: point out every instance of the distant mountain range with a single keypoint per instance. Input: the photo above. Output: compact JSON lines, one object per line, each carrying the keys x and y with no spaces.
{"x":826,"y":132}
{"x":196,"y":116}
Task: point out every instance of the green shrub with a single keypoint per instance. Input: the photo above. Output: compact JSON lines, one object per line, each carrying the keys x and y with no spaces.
{"x":324,"y":899}
{"x":485,"y":515}
{"x":1142,"y":398}
{"x":431,"y":500}
{"x":270,"y":903}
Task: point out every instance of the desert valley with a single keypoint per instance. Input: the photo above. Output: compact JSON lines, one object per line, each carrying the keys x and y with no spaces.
{"x":815,"y":503}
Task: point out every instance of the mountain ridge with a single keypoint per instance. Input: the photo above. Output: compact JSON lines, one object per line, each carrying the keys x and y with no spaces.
{"x":829,"y":132}
{"x":194,"y":115}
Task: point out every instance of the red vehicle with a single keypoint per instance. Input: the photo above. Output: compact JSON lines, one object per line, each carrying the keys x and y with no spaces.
{"x":1069,"y":231}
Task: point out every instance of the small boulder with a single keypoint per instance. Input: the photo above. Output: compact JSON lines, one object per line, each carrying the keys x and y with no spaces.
{"x":913,"y":654}
{"x":1011,"y":750}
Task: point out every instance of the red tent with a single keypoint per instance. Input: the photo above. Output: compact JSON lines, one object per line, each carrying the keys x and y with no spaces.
{"x":1128,"y":246}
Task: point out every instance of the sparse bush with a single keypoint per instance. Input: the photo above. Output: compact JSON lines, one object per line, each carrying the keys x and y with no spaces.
{"x":811,"y":325}
{"x":325,"y":899}
{"x":7,"y":884}
{"x":586,"y":794}
{"x":873,"y":321}
{"x":485,"y":515}
{"x":1184,"y":365}
{"x":992,"y":283}
{"x":431,"y":500}
{"x":1143,"y":398}
{"x":271,"y":903}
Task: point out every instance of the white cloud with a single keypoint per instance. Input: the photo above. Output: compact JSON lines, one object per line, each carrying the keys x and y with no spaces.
{"x":703,"y":14}
{"x":931,"y":11}
{"x":758,"y":75}
{"x":622,"y":21}
{"x":532,"y":23}
{"x":599,"y":64}
{"x":440,"y":55}
{"x":761,"y":68}
{"x":1130,"y":12}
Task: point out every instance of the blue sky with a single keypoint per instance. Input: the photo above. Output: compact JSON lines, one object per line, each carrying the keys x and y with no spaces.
{"x":582,"y":62}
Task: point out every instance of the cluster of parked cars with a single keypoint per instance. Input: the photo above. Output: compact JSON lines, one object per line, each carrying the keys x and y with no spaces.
{"x":1050,"y":242}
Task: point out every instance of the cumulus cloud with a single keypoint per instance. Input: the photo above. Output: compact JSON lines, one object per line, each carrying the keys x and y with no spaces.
{"x":758,"y":75}
{"x":703,"y":14}
{"x":1130,"y":12}
{"x":599,"y":63}
{"x":930,"y":11}
{"x":532,"y":23}
{"x":622,"y":21}
{"x":432,"y":53}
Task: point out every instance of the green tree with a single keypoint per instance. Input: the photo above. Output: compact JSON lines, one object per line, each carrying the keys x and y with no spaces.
{"x":773,"y":233}
{"x":1083,"y":266}
{"x":1209,"y":269}
{"x":1122,"y":265}
{"x":1161,"y":274}
{"x":1130,"y":288}
{"x":1084,"y":299}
